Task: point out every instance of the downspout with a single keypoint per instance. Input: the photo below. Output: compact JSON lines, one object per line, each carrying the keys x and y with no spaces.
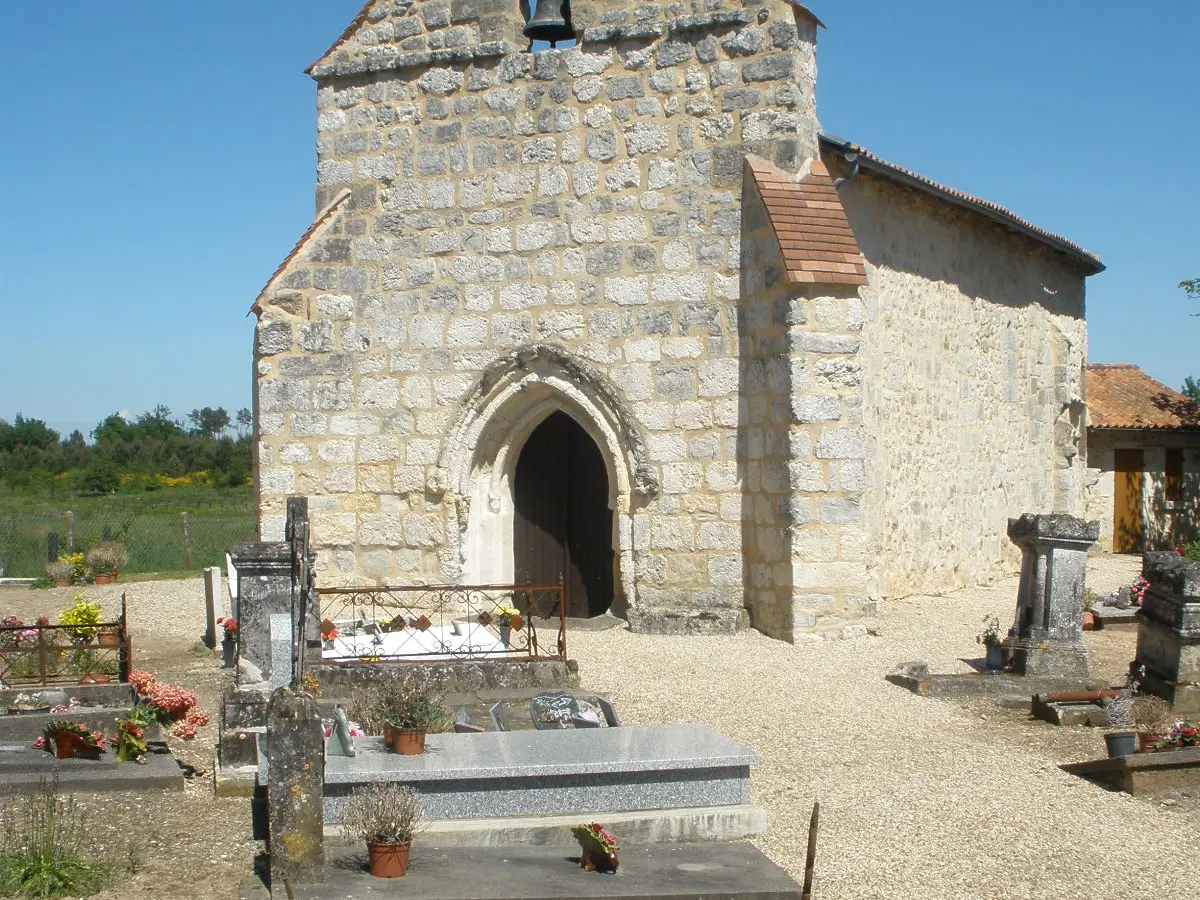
{"x":852,"y":159}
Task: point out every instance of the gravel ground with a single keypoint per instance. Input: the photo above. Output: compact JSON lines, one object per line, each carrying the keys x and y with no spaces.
{"x":919,"y":798}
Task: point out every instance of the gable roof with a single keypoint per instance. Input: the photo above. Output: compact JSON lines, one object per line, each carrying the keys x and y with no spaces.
{"x":1122,"y":396}
{"x":814,"y":236}
{"x":357,"y":22}
{"x":876,"y":165}
{"x":324,"y":217}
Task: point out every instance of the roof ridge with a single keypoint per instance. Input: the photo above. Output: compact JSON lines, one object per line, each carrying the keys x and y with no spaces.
{"x":323,"y":216}
{"x":346,"y":34}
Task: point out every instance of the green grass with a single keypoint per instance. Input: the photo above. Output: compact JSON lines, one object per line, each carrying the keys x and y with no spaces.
{"x":148,"y":524}
{"x":44,"y":848}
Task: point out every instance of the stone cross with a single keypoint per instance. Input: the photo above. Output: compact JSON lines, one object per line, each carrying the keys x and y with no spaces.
{"x":1167,"y":662}
{"x":295,"y":790}
{"x":1049,"y":620}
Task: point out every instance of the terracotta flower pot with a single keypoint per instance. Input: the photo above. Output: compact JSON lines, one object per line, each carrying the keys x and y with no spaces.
{"x":408,"y":741}
{"x":1089,"y":620}
{"x":62,"y":582}
{"x":388,"y":860}
{"x":103,"y":579}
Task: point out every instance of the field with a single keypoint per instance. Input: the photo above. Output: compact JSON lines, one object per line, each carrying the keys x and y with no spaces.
{"x":149,"y":524}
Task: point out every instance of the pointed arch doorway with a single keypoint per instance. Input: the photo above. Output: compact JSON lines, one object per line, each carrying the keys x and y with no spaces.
{"x":562,"y":522}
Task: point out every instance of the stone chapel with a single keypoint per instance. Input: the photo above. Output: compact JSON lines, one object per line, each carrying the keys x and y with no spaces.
{"x":622,"y":312}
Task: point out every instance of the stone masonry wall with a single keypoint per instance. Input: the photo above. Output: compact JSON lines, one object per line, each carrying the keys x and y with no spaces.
{"x":1166,"y":524}
{"x":972,"y":386}
{"x":587,"y":199}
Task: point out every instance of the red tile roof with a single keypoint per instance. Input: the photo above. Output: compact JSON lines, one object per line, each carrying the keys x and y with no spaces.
{"x":1122,"y":396}
{"x":323,"y":217}
{"x":993,"y":211}
{"x":816,"y":240}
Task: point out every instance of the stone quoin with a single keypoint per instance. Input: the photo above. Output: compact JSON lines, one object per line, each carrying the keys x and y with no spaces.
{"x":797,"y":378}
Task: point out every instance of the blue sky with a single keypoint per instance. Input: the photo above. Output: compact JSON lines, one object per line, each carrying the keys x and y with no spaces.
{"x":157,"y":162}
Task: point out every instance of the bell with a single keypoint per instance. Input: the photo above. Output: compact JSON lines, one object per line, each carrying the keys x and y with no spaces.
{"x":551,"y":22}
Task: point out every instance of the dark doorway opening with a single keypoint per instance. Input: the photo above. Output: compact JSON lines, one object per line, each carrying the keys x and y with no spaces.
{"x":562,"y":523}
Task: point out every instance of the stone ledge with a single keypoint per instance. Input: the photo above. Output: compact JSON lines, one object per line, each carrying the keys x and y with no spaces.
{"x":675,"y":621}
{"x":385,"y":62}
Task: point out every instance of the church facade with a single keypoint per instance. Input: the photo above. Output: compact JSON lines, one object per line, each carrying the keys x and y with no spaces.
{"x":622,"y":313}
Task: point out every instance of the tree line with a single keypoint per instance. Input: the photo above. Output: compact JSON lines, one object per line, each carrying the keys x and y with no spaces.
{"x":127,"y":454}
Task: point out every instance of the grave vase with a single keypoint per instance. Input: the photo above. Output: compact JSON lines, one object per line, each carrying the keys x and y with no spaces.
{"x":1121,"y":743}
{"x":228,"y":653}
{"x":388,"y":860}
{"x":408,"y":741}
{"x":505,"y":635}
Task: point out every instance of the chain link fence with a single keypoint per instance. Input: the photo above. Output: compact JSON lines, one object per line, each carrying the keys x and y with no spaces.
{"x":156,"y":541}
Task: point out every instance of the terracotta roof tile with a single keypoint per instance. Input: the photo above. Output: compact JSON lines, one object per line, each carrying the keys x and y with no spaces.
{"x":1122,"y":396}
{"x":994,"y":211}
{"x":324,"y":216}
{"x":816,"y":240}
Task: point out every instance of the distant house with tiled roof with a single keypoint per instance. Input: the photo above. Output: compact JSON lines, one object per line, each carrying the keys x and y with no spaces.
{"x":620,"y":312}
{"x":1143,"y":461}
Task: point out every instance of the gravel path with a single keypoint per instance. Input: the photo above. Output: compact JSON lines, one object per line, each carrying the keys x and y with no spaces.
{"x":920,"y":798}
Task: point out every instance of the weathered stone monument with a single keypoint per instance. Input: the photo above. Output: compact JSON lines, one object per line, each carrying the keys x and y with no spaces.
{"x":1048,"y":638}
{"x":295,"y":789}
{"x":1167,"y":662}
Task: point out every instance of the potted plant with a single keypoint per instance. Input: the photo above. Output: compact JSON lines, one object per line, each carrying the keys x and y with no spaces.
{"x":386,"y":816}
{"x":1152,"y":719}
{"x":229,"y":641}
{"x":412,"y":719}
{"x":1118,"y":711}
{"x":1089,"y":617}
{"x":27,"y":704}
{"x":82,"y":618}
{"x":105,"y":560}
{"x":990,"y":638}
{"x":506,"y":618}
{"x":60,"y":572}
{"x":72,"y":739}
{"x":598,"y":847}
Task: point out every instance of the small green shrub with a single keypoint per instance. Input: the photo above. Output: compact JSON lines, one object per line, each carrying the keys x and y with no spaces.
{"x":44,"y":848}
{"x":1192,"y":550}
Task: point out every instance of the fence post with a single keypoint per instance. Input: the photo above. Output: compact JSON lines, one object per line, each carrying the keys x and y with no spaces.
{"x":187,"y":544}
{"x":70,"y":531}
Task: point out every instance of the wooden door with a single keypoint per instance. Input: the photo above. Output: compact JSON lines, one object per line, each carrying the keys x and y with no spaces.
{"x":1128,"y":478}
{"x":562,"y":523}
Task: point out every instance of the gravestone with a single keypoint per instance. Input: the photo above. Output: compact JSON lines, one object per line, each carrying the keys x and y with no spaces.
{"x":279,"y":662}
{"x":212,"y":605}
{"x":1049,"y":620}
{"x":340,"y":742}
{"x":295,"y":790}
{"x":264,"y":572}
{"x":1167,"y":662}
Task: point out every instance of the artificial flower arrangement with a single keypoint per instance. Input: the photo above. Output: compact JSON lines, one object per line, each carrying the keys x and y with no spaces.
{"x":1137,"y":591}
{"x":1182,"y":733}
{"x":167,"y":705}
{"x":29,"y":703}
{"x":231,"y":627}
{"x":598,"y":846}
{"x":329,"y":633}
{"x":504,"y":615}
{"x":57,"y":731}
{"x":356,"y":730}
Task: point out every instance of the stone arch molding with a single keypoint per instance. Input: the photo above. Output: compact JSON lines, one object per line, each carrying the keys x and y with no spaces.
{"x":531,"y":383}
{"x":477,"y":464}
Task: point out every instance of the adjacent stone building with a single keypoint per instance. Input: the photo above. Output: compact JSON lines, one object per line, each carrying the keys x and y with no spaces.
{"x":622,"y":312}
{"x":1144,"y":462}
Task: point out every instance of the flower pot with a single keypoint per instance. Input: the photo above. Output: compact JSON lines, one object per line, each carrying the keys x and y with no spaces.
{"x":103,"y":579}
{"x":388,"y":860}
{"x":1121,"y":743}
{"x":995,"y":658}
{"x":1089,"y":620}
{"x":68,"y":745}
{"x":98,"y":678}
{"x":110,"y":639}
{"x":505,"y":634}
{"x":62,"y":582}
{"x":408,"y":741}
{"x":388,"y":733}
{"x":1148,"y":743}
{"x":228,"y":653}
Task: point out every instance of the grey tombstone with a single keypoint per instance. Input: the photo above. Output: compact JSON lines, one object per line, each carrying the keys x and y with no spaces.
{"x":1049,"y":621}
{"x":1167,"y":662}
{"x":499,"y":722}
{"x":212,"y":605}
{"x":340,"y":742}
{"x":264,"y":573}
{"x":279,"y":660}
{"x":295,"y":790}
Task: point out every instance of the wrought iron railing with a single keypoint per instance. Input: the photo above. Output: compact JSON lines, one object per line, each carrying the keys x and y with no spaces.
{"x":42,"y":654}
{"x":444,"y":621}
